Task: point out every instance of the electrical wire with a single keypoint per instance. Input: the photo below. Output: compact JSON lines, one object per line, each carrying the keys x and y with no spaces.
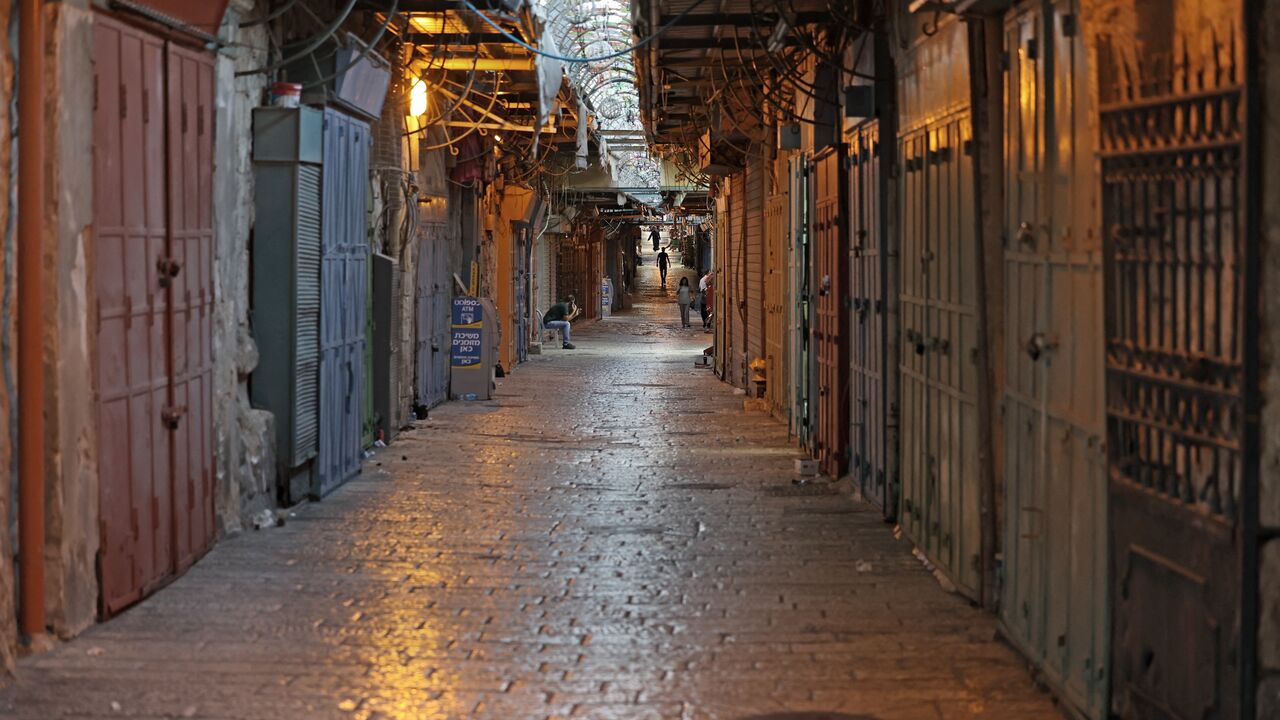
{"x":391,"y":15}
{"x":311,"y":46}
{"x":271,"y":15}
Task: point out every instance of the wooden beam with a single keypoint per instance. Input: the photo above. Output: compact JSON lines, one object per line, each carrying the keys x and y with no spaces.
{"x":483,"y":64}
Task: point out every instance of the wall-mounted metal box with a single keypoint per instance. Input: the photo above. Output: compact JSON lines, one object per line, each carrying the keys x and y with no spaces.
{"x":286,"y":285}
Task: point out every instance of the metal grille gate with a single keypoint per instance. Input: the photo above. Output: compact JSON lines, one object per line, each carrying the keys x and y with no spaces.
{"x":830,"y":332}
{"x":873,"y":422}
{"x":1171,"y":120}
{"x":153,"y":285}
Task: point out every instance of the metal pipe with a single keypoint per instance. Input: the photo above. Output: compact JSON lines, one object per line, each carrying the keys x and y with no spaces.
{"x":30,"y":317}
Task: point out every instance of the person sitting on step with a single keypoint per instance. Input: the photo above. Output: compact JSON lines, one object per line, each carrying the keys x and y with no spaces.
{"x":559,"y":316}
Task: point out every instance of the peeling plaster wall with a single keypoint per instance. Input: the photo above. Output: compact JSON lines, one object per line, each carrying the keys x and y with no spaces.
{"x":1269,"y":346}
{"x":397,"y":224}
{"x":71,"y":491}
{"x":245,"y":442}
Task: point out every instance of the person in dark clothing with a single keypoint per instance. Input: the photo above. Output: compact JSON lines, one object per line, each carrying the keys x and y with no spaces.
{"x":559,"y":317}
{"x":655,"y":237}
{"x":662,"y":265}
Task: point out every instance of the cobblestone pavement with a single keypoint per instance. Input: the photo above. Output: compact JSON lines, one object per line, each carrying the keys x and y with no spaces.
{"x":611,"y":538}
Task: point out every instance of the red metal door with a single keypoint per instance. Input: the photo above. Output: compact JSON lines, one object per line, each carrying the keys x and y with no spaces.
{"x":190,"y":119}
{"x":832,"y":253}
{"x":155,"y":491}
{"x":132,"y":374}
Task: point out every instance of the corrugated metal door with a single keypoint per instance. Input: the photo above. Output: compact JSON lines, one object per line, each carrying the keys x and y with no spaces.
{"x":1174,"y":200}
{"x":775,"y":305}
{"x":432,"y":377}
{"x":869,"y":453}
{"x":940,"y":474}
{"x":343,"y":290}
{"x":831,"y":330}
{"x":799,"y":310}
{"x":154,"y":292}
{"x":1054,"y":604}
{"x":191,"y":294}
{"x":753,"y":262}
{"x":735,"y":283}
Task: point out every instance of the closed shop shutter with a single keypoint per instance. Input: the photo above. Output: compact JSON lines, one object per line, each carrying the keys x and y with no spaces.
{"x":154,"y":292}
{"x":941,"y":479}
{"x":434,"y":291}
{"x":344,"y":296}
{"x":831,"y":264}
{"x":799,"y":309}
{"x":775,"y":304}
{"x":754,"y":280}
{"x":873,"y":401}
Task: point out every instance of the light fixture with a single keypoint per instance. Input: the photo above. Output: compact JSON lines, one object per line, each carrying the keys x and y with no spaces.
{"x":418,"y":99}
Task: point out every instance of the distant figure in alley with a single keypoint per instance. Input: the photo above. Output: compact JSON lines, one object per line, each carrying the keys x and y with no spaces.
{"x":655,"y":237}
{"x":663,"y":261}
{"x":559,"y":317}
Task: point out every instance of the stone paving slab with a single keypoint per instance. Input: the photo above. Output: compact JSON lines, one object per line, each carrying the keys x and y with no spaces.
{"x":612,"y":537}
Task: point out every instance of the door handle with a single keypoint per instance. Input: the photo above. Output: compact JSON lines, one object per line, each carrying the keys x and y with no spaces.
{"x":1037,"y":345}
{"x":168,"y":268}
{"x":351,"y":387}
{"x":1025,"y":234}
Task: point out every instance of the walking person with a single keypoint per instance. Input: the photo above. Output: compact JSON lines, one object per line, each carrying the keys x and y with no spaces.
{"x":663,"y":261}
{"x":684,"y":297}
{"x":655,"y":237}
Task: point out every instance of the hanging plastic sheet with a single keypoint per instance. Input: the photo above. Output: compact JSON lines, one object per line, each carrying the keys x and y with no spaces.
{"x":580,"y":158}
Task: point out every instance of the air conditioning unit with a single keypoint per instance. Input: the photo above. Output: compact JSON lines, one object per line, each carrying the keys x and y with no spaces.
{"x":287,"y":166}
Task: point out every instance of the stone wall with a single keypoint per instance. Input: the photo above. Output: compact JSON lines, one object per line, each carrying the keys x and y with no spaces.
{"x":245,"y":442}
{"x":71,"y":489}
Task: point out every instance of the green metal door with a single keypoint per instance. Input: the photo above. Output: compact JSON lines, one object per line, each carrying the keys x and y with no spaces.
{"x":1055,"y":592}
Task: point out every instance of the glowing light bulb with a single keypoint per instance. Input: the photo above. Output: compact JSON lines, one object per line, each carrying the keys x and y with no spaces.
{"x":418,"y":99}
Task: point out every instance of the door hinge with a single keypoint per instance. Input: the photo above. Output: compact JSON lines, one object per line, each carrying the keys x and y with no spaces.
{"x":1032,"y":49}
{"x":1004,"y":62}
{"x":171,"y":415}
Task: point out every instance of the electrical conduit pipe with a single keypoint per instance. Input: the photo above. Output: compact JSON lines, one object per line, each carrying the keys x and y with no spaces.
{"x":30,"y":317}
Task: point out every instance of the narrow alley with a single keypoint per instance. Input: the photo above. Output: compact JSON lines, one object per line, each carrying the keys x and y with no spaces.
{"x":338,"y":379}
{"x":580,"y":546}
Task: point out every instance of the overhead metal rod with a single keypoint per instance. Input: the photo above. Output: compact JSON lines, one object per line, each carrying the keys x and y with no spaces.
{"x":455,"y":39}
{"x":742,"y":19}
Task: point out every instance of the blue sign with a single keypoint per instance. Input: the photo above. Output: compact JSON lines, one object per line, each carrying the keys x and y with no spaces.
{"x":467,"y":311}
{"x":468,"y":338}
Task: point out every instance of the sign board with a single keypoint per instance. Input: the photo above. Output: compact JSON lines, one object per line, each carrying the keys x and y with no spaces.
{"x":468,"y":316}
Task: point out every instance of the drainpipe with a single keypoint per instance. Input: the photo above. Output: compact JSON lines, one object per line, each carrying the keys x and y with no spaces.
{"x":30,"y":317}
